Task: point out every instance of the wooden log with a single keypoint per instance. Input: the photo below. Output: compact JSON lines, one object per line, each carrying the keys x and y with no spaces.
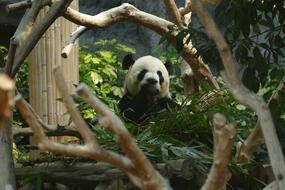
{"x":7,"y":177}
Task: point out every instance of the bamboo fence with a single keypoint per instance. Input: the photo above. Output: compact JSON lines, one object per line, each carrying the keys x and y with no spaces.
{"x":43,"y":94}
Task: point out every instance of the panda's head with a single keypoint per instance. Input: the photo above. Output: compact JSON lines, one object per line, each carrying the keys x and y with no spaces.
{"x":147,"y":75}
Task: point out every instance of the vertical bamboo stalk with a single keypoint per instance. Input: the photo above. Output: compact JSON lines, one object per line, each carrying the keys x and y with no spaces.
{"x":44,"y":83}
{"x":44,"y":96}
{"x":58,"y":61}
{"x":48,"y":76}
{"x":44,"y":57}
{"x":65,"y":64}
{"x":52,"y":64}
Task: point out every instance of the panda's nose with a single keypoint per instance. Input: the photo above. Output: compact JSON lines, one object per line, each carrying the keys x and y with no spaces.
{"x":151,"y":81}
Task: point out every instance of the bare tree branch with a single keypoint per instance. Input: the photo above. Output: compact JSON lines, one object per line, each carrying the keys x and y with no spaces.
{"x":219,"y":173}
{"x":135,"y":164}
{"x":255,"y":139}
{"x":6,"y":87}
{"x":24,"y":5}
{"x":44,"y":143}
{"x":151,"y":179}
{"x":244,"y":96}
{"x":127,"y":12}
{"x":18,"y":6}
{"x":60,"y":131}
{"x":71,"y":108}
{"x":26,"y":41}
{"x":190,"y":84}
{"x":117,"y":14}
{"x":71,"y":40}
{"x":11,"y":56}
{"x":174,"y":12}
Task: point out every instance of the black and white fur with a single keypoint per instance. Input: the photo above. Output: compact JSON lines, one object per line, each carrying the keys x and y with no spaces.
{"x":146,"y":89}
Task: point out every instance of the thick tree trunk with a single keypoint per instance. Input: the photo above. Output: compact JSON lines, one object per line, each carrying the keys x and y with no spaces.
{"x":7,"y":176}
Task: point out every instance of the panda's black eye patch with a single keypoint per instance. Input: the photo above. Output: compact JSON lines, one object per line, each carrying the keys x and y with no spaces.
{"x":141,"y":75}
{"x":161,"y":79}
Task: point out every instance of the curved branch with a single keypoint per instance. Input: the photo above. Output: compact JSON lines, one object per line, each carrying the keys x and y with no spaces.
{"x":82,"y":127}
{"x":127,"y":12}
{"x":24,"y":5}
{"x":134,"y":163}
{"x":255,"y":139}
{"x":71,"y":40}
{"x":86,"y":151}
{"x":244,"y":96}
{"x":28,"y":26}
{"x":151,"y":179}
{"x":11,"y":56}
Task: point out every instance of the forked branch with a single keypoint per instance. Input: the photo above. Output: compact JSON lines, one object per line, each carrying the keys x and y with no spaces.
{"x":29,"y":31}
{"x":127,"y":12}
{"x":135,"y":164}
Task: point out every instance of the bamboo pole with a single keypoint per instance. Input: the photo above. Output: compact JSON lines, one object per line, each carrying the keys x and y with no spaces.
{"x":43,"y":64}
{"x":44,"y":96}
{"x":52,"y":64}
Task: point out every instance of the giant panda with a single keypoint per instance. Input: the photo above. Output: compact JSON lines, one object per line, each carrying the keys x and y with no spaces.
{"x":146,"y":88}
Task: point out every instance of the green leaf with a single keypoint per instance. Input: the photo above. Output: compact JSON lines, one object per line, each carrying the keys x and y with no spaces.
{"x":117,"y":91}
{"x":107,"y":55}
{"x":124,"y":48}
{"x":96,"y":60}
{"x":96,"y":78}
{"x":87,"y":58}
{"x":164,"y":37}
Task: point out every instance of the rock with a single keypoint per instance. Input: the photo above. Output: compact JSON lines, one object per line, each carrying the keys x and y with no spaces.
{"x":130,"y":34}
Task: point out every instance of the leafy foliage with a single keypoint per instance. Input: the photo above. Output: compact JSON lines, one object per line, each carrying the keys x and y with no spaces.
{"x":255,"y":33}
{"x":184,"y":132}
{"x":102,"y":72}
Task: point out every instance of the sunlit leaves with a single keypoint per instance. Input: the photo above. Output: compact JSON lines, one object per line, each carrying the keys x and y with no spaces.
{"x":96,"y":78}
{"x":102,"y":72}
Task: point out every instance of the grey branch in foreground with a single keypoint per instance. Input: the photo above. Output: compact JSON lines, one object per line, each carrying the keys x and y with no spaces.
{"x":71,"y":40}
{"x":134,"y":164}
{"x":245,"y":96}
{"x":7,"y":176}
{"x":145,"y":171}
{"x":219,"y":174}
{"x":255,"y":139}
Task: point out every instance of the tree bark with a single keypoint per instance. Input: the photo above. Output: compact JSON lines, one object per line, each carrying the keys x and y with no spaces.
{"x":7,"y":176}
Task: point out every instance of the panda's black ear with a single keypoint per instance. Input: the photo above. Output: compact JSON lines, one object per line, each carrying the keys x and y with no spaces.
{"x":128,"y":61}
{"x":168,"y":65}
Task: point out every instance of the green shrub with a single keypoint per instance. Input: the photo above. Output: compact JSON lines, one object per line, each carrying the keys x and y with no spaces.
{"x":102,"y":72}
